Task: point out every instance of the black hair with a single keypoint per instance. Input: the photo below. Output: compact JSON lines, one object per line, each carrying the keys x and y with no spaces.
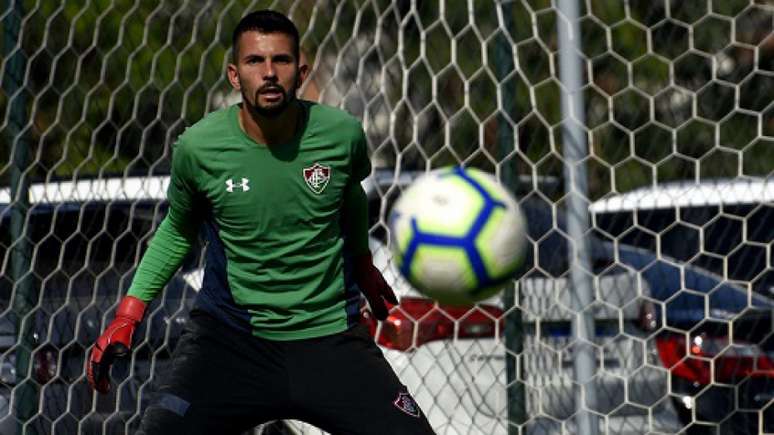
{"x":265,"y":21}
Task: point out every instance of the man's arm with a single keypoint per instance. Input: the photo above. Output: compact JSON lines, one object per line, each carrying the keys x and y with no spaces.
{"x":177,"y":232}
{"x":354,"y":210}
{"x":367,"y":276}
{"x":166,"y":251}
{"x":354,"y":214}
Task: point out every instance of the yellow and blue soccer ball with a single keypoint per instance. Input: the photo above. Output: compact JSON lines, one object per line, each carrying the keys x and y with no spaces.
{"x":457,"y":235}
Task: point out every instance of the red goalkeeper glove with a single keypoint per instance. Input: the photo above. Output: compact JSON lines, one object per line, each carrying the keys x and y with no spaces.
{"x":373,"y":286}
{"x":114,"y":343}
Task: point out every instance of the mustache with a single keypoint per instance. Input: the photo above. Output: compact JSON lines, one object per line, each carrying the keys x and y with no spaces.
{"x":270,"y":87}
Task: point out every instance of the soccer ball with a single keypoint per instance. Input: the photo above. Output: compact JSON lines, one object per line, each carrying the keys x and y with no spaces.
{"x":457,"y":235}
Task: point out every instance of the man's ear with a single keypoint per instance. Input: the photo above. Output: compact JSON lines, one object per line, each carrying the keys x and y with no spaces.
{"x":233,"y":76}
{"x":303,"y":73}
{"x":306,"y":89}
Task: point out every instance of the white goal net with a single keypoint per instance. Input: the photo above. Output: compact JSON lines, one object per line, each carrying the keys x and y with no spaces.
{"x":676,"y":118}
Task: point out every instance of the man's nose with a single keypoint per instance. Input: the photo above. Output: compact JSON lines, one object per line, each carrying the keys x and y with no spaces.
{"x":269,"y":72}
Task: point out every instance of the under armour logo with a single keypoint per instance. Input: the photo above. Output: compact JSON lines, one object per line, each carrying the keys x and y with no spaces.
{"x":230,"y":185}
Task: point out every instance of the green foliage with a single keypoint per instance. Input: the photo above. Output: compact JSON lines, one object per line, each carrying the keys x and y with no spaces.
{"x":114,"y":81}
{"x":673,"y":90}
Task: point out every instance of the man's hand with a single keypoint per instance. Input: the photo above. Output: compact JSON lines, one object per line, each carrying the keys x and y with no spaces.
{"x":114,"y":343}
{"x":373,"y":286}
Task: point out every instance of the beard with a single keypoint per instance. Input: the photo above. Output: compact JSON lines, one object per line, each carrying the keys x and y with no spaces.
{"x":273,"y":109}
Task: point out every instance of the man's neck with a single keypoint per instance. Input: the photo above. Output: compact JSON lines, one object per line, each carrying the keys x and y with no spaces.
{"x":270,"y":131}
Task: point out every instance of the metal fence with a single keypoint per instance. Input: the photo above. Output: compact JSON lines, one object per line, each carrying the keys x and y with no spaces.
{"x":638,"y":137}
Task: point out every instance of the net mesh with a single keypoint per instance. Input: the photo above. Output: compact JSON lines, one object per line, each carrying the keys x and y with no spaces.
{"x":678,"y":107}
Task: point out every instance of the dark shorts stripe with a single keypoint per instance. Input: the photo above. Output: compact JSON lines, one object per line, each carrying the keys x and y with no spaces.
{"x":173,"y":403}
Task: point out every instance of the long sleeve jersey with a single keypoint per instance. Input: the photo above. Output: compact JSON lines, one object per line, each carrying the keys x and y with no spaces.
{"x":276,"y":259}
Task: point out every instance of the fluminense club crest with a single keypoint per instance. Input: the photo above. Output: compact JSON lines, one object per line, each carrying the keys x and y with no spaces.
{"x":406,"y":403}
{"x":317,"y":177}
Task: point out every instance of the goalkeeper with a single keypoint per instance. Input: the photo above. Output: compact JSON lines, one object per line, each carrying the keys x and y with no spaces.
{"x":273,"y":185}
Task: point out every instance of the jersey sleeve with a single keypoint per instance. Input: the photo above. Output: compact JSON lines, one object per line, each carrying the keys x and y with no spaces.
{"x":355,"y":205}
{"x":361,"y":165}
{"x":182,"y":182}
{"x":354,"y":214}
{"x":176,"y":234}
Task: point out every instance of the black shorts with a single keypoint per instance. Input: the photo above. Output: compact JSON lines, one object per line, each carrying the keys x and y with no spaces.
{"x":222,"y":382}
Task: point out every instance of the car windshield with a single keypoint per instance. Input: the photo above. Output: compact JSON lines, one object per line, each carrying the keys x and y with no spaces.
{"x":84,"y":253}
{"x":727,"y":240}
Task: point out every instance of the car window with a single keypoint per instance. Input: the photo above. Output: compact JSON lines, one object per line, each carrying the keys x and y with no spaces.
{"x":729,"y":240}
{"x":85,"y":253}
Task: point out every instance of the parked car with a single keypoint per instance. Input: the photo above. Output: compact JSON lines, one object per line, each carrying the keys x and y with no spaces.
{"x":672,"y":338}
{"x":722,"y":364}
{"x":86,"y":238}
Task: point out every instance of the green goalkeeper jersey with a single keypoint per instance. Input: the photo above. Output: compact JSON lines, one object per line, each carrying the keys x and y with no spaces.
{"x":276,"y":263}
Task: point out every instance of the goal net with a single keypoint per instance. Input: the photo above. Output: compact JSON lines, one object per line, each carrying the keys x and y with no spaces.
{"x":674,"y":115}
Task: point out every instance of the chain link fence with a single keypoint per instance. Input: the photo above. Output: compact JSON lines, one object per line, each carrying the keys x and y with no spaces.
{"x":677,"y":114}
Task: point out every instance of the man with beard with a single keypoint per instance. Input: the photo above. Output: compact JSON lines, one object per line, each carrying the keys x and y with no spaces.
{"x":273,"y":185}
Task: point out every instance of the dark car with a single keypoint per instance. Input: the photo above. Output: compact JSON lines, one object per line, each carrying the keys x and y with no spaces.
{"x":721,"y":357}
{"x":86,"y":238}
